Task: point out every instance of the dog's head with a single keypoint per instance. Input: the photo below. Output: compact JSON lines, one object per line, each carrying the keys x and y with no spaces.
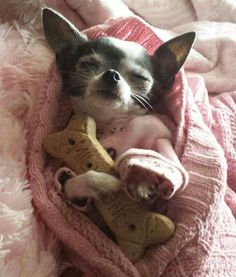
{"x":108,"y":77}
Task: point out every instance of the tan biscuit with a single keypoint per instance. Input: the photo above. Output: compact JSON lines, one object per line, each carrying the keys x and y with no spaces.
{"x":133,"y":226}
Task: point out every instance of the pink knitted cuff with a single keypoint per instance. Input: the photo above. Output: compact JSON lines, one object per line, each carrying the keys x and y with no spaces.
{"x":61,"y":176}
{"x":154,"y":167}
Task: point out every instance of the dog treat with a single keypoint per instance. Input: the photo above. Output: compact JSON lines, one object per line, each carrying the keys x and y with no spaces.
{"x":133,"y":226}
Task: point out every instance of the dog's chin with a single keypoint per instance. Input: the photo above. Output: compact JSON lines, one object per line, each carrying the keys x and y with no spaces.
{"x":105,"y":108}
{"x":109,"y":94}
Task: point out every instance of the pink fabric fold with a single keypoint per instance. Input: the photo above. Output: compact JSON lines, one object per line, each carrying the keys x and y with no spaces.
{"x":205,"y":237}
{"x":167,"y":176}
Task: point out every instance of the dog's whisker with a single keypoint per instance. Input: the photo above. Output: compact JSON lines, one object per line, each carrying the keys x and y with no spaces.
{"x":78,"y":87}
{"x":71,"y":73}
{"x":145,"y":103}
{"x":92,"y":71}
{"x":75,"y":84}
{"x":139,"y":101}
{"x":78,"y":75}
{"x":145,"y":97}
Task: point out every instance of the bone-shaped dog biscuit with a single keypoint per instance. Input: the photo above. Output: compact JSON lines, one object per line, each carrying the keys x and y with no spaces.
{"x":133,"y":226}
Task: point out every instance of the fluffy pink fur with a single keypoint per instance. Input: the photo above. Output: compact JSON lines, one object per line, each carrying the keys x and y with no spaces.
{"x":22,"y":71}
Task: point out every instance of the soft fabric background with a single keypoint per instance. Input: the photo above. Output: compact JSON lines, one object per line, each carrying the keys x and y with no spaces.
{"x":27,"y":247}
{"x":24,"y":65}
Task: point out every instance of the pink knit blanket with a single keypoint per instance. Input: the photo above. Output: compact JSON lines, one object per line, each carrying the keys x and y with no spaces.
{"x":205,"y":237}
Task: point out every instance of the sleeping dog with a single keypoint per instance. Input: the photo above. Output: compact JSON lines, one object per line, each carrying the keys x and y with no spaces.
{"x":108,"y":79}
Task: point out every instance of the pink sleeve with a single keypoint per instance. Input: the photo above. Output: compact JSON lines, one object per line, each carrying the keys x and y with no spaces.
{"x":167,"y":176}
{"x":147,"y":156}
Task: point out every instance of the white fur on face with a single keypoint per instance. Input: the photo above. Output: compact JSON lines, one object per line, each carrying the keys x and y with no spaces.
{"x":96,"y":99}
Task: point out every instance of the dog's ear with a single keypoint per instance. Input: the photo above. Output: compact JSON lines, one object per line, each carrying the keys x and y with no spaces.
{"x":170,"y":56}
{"x":59,"y":32}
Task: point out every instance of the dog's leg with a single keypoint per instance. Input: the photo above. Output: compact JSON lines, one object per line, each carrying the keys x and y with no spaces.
{"x":91,"y":184}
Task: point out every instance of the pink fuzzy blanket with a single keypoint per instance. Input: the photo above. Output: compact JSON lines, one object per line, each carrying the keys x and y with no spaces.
{"x":44,"y":237}
{"x":22,"y":249}
{"x":206,"y":234}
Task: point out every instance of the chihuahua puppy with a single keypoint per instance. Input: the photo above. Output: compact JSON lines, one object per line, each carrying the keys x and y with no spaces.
{"x":109,"y":78}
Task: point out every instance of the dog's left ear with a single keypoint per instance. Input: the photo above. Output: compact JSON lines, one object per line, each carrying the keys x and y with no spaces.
{"x":170,"y":56}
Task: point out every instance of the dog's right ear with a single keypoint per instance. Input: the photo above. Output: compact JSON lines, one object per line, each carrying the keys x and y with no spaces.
{"x":59,"y":32}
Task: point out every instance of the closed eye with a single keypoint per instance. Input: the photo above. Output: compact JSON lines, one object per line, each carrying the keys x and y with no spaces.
{"x":89,"y":62}
{"x":140,"y":77}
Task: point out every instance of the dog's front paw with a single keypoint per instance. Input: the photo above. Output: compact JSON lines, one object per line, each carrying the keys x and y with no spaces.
{"x":141,"y":185}
{"x":91,"y":184}
{"x":141,"y":191}
{"x":145,"y":191}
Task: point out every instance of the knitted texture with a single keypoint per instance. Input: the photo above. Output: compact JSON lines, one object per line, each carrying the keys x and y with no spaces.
{"x":205,"y":239}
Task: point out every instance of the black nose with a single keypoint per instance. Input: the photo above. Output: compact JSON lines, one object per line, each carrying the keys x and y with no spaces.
{"x":111,"y":76}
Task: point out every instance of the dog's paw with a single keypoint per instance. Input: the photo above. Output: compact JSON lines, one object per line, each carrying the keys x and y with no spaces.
{"x":91,"y":184}
{"x":142,"y":185}
{"x":141,"y":191}
{"x":144,"y":191}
